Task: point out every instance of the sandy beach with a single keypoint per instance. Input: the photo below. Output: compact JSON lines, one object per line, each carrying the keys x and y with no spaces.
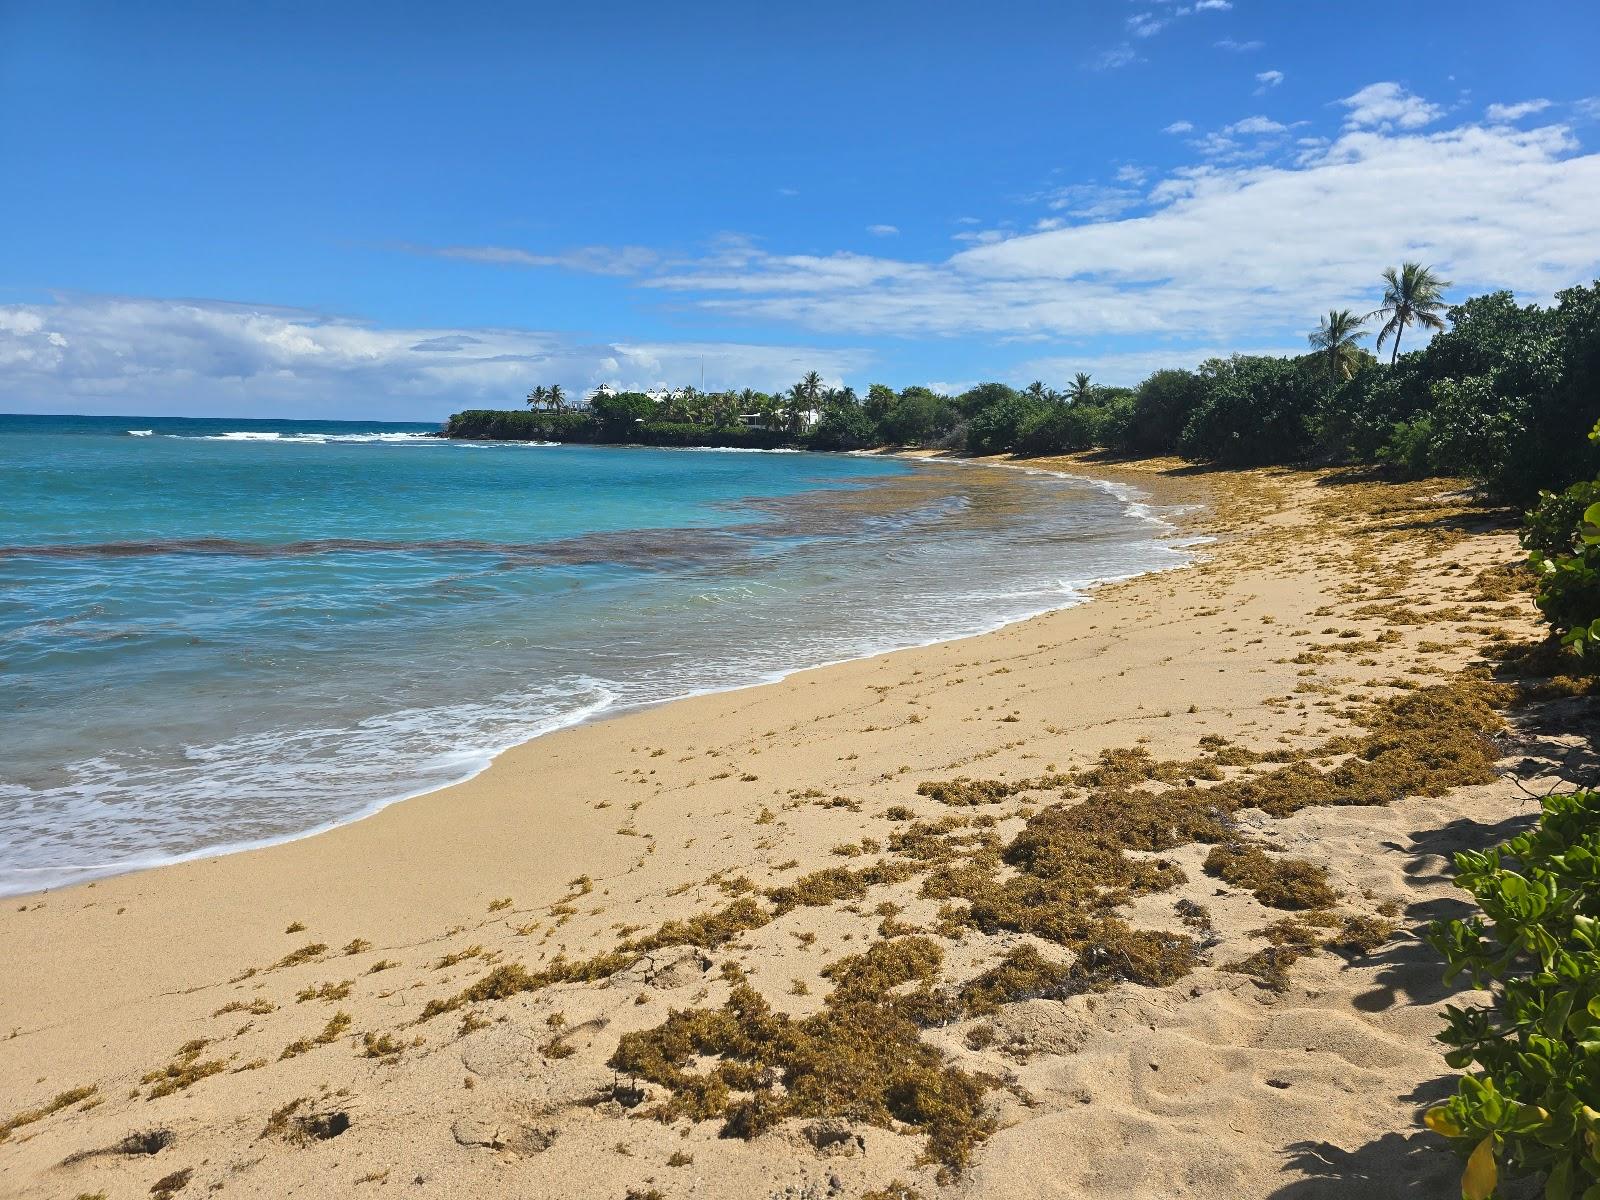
{"x":1114,"y":911}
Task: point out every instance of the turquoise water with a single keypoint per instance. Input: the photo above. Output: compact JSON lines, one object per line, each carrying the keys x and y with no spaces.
{"x":221,"y":633}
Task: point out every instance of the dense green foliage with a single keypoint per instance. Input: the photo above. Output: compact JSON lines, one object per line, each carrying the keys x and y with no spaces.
{"x":1528,"y":1102}
{"x":1255,"y":410}
{"x":1562,"y":534}
{"x":1500,"y":396}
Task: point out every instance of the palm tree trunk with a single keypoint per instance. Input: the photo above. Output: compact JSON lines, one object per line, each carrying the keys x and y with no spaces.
{"x":1395,"y":356}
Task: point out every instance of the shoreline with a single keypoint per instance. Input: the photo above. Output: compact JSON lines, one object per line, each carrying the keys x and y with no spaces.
{"x":1131,"y":496}
{"x":212,"y":1000}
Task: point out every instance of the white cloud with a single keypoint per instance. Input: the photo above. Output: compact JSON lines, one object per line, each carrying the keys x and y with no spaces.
{"x":883,"y":230}
{"x":1093,"y":201}
{"x":1246,"y":140}
{"x":1149,"y":23}
{"x":1225,"y":252}
{"x":1501,"y":113}
{"x":1268,"y":80}
{"x":1180,"y":127}
{"x":1256,"y":125}
{"x":1116,"y":56}
{"x":1388,"y":106}
{"x":593,"y":260}
{"x":1146,"y":24}
{"x":981,"y":237}
{"x":124,"y":355}
{"x":1234,"y":47}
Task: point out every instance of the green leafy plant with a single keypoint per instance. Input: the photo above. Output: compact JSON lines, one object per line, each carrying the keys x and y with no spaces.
{"x":1528,"y":1104}
{"x":1568,"y":560}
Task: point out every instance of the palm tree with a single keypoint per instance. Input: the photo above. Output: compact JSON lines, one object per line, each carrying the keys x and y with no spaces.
{"x":798,"y":402}
{"x":674,"y":406}
{"x":1081,"y":388}
{"x":811,"y":385}
{"x":537,"y":397}
{"x":1336,"y":337}
{"x":557,"y":397}
{"x":770,"y":410}
{"x":1413,"y":295}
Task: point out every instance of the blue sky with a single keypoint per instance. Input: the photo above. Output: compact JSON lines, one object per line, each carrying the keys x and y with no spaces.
{"x":397,"y":210}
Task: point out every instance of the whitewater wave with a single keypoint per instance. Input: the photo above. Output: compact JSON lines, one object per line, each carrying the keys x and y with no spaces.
{"x":313,"y":439}
{"x":300,"y":782}
{"x":477,"y":445}
{"x":141,"y":432}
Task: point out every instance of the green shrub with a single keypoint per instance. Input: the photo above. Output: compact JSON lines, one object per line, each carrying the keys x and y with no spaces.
{"x":1528,"y":1102}
{"x":1161,"y":408}
{"x":1256,"y":410}
{"x":998,"y":426}
{"x":1565,"y":543}
{"x":844,"y":427}
{"x":518,"y":425}
{"x":1552,"y":525}
{"x":917,"y":416}
{"x":1513,"y":388}
{"x":1410,"y":446}
{"x":1357,"y":419}
{"x":620,"y":413}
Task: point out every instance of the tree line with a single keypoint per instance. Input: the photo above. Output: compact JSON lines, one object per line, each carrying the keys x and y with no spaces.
{"x":1502,"y":395}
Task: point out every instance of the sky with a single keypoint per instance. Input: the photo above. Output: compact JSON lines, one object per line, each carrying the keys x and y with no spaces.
{"x":399,"y":210}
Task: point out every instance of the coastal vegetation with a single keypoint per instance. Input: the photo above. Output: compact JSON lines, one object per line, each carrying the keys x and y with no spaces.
{"x":1562,"y":534}
{"x":1527,"y":1099}
{"x":1500,"y":396}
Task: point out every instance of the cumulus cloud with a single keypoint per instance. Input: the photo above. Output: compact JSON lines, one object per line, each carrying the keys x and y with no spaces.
{"x":1234,"y":47}
{"x":125,"y":355}
{"x":1224,"y":251}
{"x":1180,"y":127}
{"x":1501,"y":113}
{"x":883,"y":230}
{"x":1388,"y":106}
{"x":1268,"y":80}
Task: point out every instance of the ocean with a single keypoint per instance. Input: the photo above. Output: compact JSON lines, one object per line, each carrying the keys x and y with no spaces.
{"x":221,"y":633}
